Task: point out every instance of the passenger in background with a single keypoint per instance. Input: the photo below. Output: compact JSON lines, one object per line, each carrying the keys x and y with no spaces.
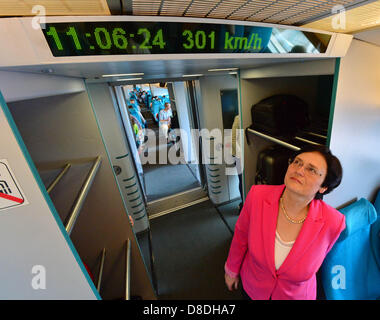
{"x":284,"y":232}
{"x":235,"y":128}
{"x":164,"y":120}
{"x":148,"y":99}
{"x":165,"y":99}
{"x":132,"y":102}
{"x":170,"y":111}
{"x":132,"y":95}
{"x":155,"y":107}
{"x":137,"y":130}
{"x":161,"y":103}
{"x":139,"y":117}
{"x":142,"y":96}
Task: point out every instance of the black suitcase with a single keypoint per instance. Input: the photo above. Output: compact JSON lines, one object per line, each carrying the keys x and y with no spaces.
{"x":272,"y":164}
{"x":280,"y":115}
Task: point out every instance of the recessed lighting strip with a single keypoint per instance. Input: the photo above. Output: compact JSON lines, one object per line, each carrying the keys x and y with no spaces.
{"x":225,"y":69}
{"x":123,"y":74}
{"x":192,"y":75}
{"x":129,"y":79}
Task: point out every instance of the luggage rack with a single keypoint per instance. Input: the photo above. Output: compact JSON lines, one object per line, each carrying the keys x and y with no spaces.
{"x":285,"y":142}
{"x":72,"y":217}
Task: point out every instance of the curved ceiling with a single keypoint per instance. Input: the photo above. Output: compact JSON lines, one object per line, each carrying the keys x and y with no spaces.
{"x":288,"y":12}
{"x":314,"y":13}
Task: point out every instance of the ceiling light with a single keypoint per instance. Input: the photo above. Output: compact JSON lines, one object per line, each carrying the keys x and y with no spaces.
{"x":129,"y":79}
{"x":192,"y":75}
{"x":225,"y":69}
{"x":123,"y":74}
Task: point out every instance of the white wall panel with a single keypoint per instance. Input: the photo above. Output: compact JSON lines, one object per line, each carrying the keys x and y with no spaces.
{"x":33,"y":235}
{"x":356,"y":125}
{"x":17,"y":86}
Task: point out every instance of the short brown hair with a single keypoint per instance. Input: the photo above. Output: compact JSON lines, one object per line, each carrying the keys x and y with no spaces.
{"x":334,"y":168}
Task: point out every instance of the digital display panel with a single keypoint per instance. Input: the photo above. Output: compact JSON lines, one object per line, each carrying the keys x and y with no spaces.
{"x":139,"y":38}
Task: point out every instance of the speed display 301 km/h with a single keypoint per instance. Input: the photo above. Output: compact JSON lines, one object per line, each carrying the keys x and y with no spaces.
{"x":115,"y":38}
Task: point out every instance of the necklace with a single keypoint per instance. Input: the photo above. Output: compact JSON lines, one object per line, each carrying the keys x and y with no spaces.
{"x":287,"y":217}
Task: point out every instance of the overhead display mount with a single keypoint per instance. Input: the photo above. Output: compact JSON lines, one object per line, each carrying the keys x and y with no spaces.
{"x":141,"y":38}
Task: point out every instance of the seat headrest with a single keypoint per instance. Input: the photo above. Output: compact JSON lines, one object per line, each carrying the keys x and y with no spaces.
{"x":377,"y":203}
{"x":375,"y":233}
{"x":359,"y":215}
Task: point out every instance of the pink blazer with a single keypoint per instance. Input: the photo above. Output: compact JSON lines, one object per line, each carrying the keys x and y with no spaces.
{"x":251,"y":253}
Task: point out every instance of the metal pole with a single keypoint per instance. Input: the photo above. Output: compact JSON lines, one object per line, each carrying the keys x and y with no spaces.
{"x":283,"y":143}
{"x":69,"y":225}
{"x":308,"y":141}
{"x":58,"y":178}
{"x":127,"y":269}
{"x":101,"y":270}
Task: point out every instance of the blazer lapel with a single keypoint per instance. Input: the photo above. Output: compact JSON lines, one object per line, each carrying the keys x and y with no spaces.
{"x":308,"y":234}
{"x":270,"y":213}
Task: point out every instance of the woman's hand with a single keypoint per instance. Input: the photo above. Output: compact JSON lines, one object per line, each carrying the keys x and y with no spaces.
{"x":231,"y":283}
{"x":131,"y":220}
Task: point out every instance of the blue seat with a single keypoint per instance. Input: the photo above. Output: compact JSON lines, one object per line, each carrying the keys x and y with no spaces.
{"x":375,"y":235}
{"x":351,"y":270}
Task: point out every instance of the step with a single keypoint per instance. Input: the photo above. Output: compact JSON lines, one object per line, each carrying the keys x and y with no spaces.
{"x":175,"y":202}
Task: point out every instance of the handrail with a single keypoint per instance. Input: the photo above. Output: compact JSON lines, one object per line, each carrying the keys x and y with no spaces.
{"x":69,"y":225}
{"x":316,"y":135}
{"x":58,"y":178}
{"x":100,"y":275}
{"x":308,"y":141}
{"x":273,"y":139}
{"x":127,"y":269}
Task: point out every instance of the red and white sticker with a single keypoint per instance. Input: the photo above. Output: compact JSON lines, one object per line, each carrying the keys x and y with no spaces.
{"x":11,"y":194}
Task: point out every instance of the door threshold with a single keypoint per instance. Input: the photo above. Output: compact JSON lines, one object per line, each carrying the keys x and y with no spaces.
{"x":192,"y":203}
{"x":173,"y":195}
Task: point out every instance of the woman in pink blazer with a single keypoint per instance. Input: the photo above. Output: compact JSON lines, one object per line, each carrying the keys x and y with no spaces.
{"x":285,"y":231}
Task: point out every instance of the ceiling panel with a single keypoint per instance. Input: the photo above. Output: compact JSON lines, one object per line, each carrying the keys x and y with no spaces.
{"x":248,"y":9}
{"x":287,"y":12}
{"x":201,"y":8}
{"x":151,"y":8}
{"x":316,"y":14}
{"x":225,"y":8}
{"x":54,"y":7}
{"x":357,"y":19}
{"x":174,"y":8}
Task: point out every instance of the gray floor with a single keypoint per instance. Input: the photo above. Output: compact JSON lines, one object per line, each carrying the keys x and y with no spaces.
{"x":230,"y":213}
{"x":190,"y":248}
{"x":165,"y":180}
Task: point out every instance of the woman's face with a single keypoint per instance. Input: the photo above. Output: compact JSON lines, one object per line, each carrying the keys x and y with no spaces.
{"x":306,"y":174}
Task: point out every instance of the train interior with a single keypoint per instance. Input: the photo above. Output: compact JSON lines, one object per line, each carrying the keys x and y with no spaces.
{"x":73,"y":120}
{"x":191,"y":210}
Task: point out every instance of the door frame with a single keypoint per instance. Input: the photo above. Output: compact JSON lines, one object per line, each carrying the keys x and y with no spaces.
{"x":127,"y":128}
{"x":194,"y":99}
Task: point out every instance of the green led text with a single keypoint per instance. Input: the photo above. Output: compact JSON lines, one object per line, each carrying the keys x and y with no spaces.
{"x":232,"y":42}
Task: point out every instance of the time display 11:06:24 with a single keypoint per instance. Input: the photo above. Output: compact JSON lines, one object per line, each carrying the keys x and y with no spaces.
{"x":106,"y":40}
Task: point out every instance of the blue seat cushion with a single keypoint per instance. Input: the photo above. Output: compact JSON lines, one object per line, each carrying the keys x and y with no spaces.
{"x":359,"y":215}
{"x":375,"y":233}
{"x":349,"y":270}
